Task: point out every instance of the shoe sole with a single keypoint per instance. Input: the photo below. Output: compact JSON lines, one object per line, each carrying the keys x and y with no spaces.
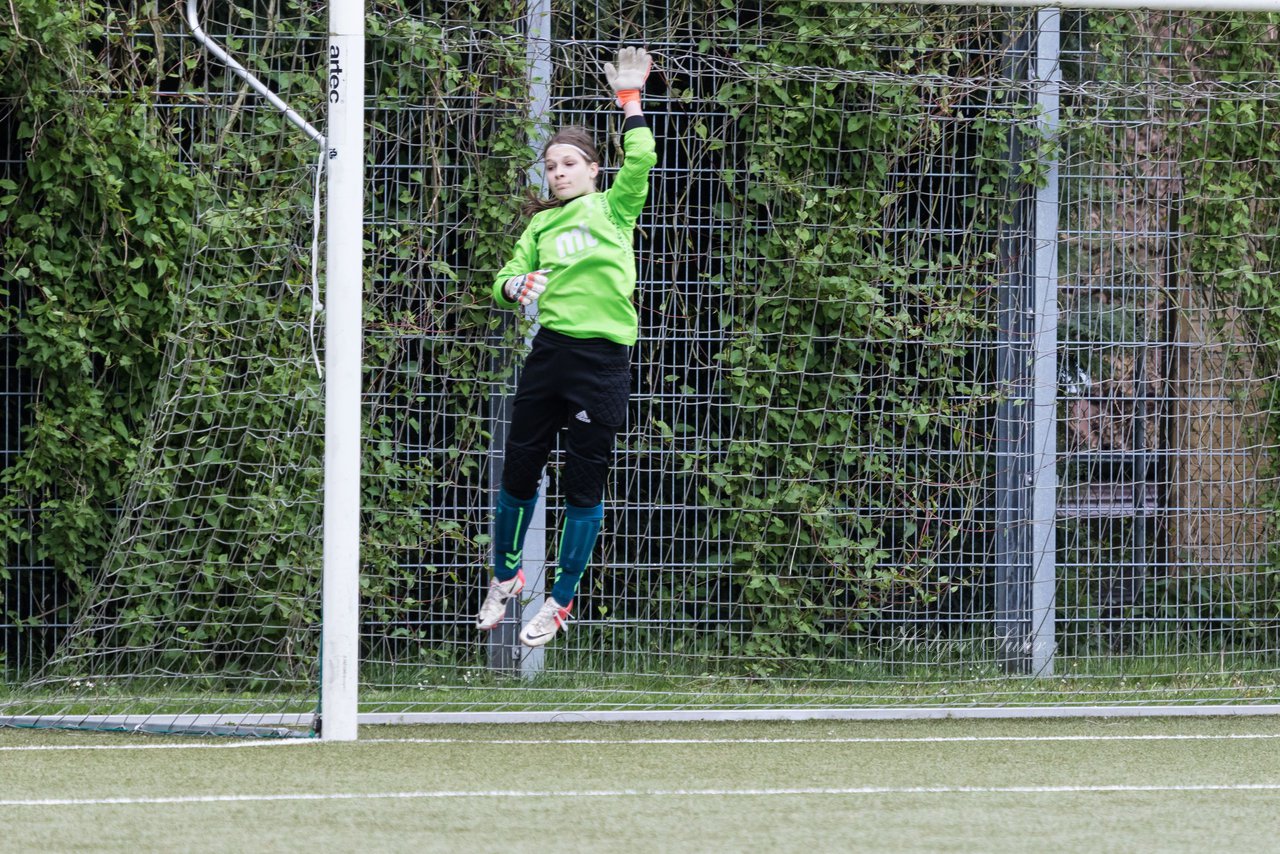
{"x":549,"y":639}
{"x":513,"y":595}
{"x":492,"y":627}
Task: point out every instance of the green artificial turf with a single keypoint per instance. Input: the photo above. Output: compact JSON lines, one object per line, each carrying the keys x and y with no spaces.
{"x":916,"y":786}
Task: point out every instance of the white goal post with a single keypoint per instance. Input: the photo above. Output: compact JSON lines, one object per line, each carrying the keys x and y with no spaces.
{"x":344,"y":275}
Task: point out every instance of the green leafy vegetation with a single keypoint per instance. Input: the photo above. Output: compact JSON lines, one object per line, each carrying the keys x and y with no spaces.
{"x":846,"y":287}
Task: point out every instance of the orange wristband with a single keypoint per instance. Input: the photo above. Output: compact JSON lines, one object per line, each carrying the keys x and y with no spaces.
{"x":628,"y":96}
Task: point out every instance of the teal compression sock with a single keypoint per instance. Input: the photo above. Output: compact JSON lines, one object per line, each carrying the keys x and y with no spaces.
{"x":511,"y":521}
{"x":577,"y":541}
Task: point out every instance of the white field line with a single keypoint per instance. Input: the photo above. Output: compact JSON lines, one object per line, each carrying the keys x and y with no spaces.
{"x":940,"y":739}
{"x":638,"y":793}
{"x":956,"y":739}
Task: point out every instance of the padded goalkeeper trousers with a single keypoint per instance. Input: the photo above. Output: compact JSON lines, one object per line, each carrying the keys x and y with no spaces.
{"x":581,"y":386}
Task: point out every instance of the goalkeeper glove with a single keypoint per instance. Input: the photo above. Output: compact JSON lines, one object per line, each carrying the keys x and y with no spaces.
{"x":526,"y":288}
{"x":627,"y":78}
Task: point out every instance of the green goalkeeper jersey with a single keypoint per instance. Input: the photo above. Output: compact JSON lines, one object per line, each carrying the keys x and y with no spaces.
{"x":585,"y":245}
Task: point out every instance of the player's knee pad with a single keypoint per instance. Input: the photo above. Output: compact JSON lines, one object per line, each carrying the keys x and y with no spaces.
{"x":521,"y":475}
{"x":582,"y":481}
{"x":587,"y":460}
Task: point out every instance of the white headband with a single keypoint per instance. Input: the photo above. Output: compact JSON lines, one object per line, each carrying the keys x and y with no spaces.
{"x":585,"y":156}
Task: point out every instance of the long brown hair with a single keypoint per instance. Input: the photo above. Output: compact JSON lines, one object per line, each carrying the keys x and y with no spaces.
{"x":579,"y":138}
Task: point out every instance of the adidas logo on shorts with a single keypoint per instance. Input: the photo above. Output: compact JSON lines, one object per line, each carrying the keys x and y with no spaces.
{"x":583,"y":417}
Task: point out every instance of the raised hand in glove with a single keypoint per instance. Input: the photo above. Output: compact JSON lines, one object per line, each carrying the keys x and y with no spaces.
{"x":627,"y":78}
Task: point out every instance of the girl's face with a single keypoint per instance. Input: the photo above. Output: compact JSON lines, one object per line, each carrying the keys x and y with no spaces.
{"x":569,"y":173}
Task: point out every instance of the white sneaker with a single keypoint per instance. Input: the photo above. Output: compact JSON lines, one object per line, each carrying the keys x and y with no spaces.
{"x":494,"y":608}
{"x":546,"y":624}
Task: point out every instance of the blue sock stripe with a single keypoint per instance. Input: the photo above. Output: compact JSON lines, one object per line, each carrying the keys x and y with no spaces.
{"x":596,"y":512}
{"x":511,"y":520}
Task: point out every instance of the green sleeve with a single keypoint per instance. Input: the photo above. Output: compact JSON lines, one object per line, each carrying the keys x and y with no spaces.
{"x":631,"y":185}
{"x":524,"y":259}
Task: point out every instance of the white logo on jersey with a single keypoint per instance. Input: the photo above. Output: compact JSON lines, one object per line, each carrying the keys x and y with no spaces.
{"x":575,"y":240}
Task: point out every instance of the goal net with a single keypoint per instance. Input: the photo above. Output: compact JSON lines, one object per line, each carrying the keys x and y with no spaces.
{"x":954,"y":390}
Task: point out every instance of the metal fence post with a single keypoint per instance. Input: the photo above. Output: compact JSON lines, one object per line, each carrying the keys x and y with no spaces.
{"x":1027,"y":368}
{"x":1044,"y":449}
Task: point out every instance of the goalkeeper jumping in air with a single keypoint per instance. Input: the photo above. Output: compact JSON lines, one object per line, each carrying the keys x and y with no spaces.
{"x":575,"y":259}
